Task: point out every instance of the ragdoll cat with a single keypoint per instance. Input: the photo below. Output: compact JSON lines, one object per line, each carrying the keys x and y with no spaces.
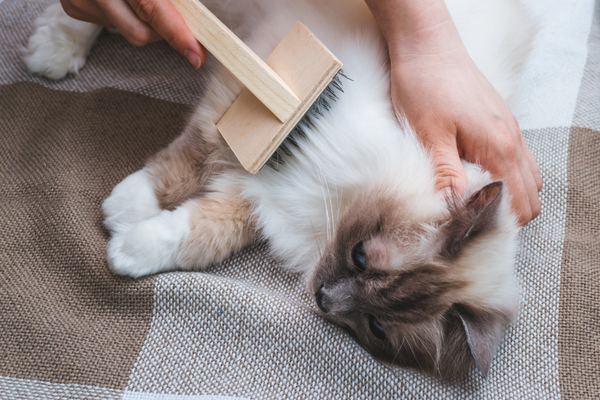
{"x":351,"y":204}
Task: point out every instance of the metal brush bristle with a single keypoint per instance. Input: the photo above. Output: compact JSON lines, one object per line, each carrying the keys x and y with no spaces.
{"x":298,"y":134}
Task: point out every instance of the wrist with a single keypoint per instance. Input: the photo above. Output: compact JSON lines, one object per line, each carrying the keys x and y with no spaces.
{"x":415,"y":27}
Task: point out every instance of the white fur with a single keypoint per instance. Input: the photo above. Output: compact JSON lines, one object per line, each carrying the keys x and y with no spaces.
{"x":145,"y":239}
{"x":360,"y":145}
{"x":133,"y":200}
{"x":149,"y":246}
{"x":59,"y":44}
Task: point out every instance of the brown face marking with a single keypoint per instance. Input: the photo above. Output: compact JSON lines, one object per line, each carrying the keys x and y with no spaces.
{"x":402,"y":277}
{"x":408,"y":296}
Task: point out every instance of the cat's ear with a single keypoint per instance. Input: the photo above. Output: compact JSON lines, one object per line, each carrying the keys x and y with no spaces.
{"x":483,"y":332}
{"x":476,"y":216}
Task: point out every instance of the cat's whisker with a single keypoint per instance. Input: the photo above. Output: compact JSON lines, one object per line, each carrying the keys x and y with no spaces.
{"x":338,"y":205}
{"x":320,"y":249}
{"x":435,"y":342}
{"x":331,"y":208}
{"x":323,"y":186}
{"x":329,"y":214}
{"x":417,"y":343}
{"x":399,"y":349}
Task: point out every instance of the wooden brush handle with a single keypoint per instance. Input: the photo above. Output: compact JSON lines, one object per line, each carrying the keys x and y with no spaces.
{"x":257,"y":76}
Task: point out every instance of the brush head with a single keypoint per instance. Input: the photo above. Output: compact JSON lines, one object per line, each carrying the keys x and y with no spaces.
{"x":321,"y":106}
{"x":252,"y":131}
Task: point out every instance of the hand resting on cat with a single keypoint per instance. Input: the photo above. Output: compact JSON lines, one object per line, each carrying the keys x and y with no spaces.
{"x":453,"y":108}
{"x":419,"y":279}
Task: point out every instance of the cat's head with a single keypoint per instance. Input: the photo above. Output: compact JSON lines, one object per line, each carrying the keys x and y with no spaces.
{"x":436,"y":295}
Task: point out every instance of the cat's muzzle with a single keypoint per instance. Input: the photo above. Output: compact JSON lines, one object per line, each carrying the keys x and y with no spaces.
{"x":336,"y":300}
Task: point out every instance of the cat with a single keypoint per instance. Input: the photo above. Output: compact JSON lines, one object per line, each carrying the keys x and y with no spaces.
{"x":419,"y":279}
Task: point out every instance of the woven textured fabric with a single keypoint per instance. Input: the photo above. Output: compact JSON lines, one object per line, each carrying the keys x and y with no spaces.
{"x":64,"y":317}
{"x":580,"y":293}
{"x":246,"y":329}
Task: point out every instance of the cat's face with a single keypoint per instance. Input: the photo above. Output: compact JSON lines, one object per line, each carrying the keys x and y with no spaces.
{"x":403,"y":289}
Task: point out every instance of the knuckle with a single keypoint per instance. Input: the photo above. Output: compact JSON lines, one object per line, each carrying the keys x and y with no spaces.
{"x":513,"y":125}
{"x":447,"y":171}
{"x":146,"y":10}
{"x":139,"y":37}
{"x":539,"y":182}
{"x":507,"y":147}
{"x":448,"y":176}
{"x":79,"y":4}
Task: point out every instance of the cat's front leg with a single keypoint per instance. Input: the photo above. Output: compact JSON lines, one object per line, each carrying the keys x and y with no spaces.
{"x":221,"y":224}
{"x":201,"y":232}
{"x":59,"y":44}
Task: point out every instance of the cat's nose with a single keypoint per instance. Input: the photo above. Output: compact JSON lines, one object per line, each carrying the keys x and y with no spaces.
{"x":319,"y":299}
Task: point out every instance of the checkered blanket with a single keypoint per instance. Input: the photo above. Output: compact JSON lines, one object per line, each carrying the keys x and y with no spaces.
{"x":245,"y":329}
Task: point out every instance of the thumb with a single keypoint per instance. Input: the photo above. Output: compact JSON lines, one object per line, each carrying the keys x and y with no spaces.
{"x":450,"y":174}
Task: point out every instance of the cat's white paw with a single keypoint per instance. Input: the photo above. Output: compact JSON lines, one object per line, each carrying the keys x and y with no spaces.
{"x":149,"y":246}
{"x":59,"y":44}
{"x":133,"y":200}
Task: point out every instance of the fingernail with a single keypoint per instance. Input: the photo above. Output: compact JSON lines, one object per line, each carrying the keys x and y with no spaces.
{"x":193,"y":58}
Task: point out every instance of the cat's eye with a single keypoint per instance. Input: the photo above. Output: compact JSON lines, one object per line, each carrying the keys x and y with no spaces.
{"x":359,"y":256}
{"x":376,"y":328}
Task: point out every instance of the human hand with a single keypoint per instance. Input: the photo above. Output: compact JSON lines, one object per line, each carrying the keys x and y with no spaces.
{"x":454,"y":110}
{"x":141,"y":22}
{"x":457,"y":114}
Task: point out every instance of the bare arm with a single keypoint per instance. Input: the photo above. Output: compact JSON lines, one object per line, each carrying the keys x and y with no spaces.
{"x":453,"y":108}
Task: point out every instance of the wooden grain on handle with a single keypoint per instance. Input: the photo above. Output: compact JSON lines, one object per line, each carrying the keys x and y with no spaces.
{"x":257,"y":76}
{"x":249,"y":128}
